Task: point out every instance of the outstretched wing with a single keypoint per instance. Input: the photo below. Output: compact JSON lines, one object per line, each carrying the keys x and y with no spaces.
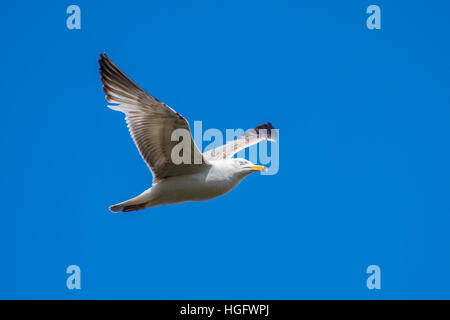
{"x":262,"y":132}
{"x":150,"y":122}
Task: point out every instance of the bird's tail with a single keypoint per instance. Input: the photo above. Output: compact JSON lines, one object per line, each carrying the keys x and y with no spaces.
{"x":123,"y":207}
{"x":138,"y":203}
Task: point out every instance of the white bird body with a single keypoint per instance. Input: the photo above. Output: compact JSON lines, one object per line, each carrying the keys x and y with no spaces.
{"x":151,"y":124}
{"x":216,"y":179}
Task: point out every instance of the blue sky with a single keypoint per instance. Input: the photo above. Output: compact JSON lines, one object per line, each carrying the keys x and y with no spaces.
{"x":364,"y":160}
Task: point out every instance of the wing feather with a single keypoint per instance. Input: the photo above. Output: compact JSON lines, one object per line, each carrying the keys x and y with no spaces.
{"x":150,"y":122}
{"x":253,"y":136}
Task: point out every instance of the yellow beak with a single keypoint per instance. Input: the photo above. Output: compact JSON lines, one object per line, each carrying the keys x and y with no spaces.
{"x":258,"y":168}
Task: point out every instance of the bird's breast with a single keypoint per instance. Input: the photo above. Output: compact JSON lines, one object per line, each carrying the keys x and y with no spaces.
{"x":194,"y":187}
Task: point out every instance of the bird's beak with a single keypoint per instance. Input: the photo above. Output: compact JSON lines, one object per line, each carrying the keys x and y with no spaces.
{"x":258,"y":168}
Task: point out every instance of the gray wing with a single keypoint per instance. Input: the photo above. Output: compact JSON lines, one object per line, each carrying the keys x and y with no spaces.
{"x":150,"y":122}
{"x":253,"y":136}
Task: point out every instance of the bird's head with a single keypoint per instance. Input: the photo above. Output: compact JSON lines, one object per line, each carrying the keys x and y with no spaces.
{"x":245,"y":167}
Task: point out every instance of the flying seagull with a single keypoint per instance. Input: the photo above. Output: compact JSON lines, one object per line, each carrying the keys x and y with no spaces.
{"x":151,"y":124}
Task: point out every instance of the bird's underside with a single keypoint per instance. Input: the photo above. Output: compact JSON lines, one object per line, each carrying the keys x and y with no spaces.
{"x":151,"y":124}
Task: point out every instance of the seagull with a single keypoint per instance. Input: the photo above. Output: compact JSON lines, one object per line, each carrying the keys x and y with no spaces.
{"x":151,"y":124}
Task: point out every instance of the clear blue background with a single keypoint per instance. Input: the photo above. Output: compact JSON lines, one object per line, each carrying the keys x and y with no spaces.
{"x":364,"y":150}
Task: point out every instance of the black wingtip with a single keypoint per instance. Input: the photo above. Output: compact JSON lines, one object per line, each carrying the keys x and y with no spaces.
{"x":100,"y":61}
{"x":266,"y":126}
{"x":103,"y":62}
{"x":103,"y":58}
